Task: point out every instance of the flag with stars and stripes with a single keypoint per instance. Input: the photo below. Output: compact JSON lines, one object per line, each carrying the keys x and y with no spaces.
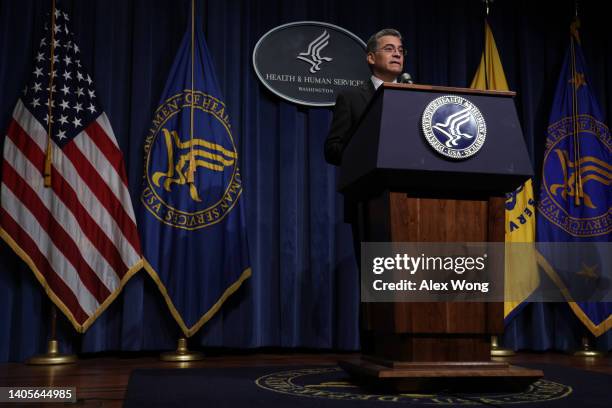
{"x":76,"y":231}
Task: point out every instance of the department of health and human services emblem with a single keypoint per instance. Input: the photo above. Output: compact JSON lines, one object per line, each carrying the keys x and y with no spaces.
{"x":332,"y":383}
{"x":172,"y":152}
{"x":454,"y":127}
{"x":576,"y":181}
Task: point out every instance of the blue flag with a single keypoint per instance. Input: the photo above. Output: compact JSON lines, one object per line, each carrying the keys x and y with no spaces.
{"x":192,"y":218}
{"x":575,"y":197}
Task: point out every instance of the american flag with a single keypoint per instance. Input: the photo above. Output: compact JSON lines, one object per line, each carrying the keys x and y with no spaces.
{"x":78,"y":235}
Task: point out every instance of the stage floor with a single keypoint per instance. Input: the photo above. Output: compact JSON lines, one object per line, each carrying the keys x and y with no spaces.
{"x":101,"y":380}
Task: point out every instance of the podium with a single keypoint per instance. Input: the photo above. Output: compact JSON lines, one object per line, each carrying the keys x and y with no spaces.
{"x":408,"y":192}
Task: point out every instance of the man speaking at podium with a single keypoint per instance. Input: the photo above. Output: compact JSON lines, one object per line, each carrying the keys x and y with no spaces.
{"x":385,"y":56}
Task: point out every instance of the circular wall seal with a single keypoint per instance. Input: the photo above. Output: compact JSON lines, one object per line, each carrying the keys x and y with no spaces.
{"x":309,"y":62}
{"x":454,"y":127}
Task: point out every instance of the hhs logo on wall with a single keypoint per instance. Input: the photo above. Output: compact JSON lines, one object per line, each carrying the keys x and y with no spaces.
{"x":309,"y":62}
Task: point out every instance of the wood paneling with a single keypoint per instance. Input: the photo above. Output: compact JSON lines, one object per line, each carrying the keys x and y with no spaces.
{"x":435,"y":331}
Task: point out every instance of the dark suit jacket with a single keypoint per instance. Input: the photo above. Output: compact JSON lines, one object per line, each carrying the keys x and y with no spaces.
{"x":350,"y":105}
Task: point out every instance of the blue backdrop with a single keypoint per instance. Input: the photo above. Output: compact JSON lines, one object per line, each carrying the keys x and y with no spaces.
{"x":304,"y":291}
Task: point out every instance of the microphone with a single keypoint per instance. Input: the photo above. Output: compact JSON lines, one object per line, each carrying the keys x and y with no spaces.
{"x":405,"y":78}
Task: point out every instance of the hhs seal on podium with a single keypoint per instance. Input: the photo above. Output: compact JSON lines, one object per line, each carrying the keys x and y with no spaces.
{"x":454,"y":127}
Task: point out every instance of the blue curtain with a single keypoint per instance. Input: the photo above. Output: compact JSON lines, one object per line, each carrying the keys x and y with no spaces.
{"x":304,"y":289}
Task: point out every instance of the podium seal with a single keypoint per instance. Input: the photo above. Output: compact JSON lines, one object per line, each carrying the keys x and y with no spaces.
{"x":454,"y":127}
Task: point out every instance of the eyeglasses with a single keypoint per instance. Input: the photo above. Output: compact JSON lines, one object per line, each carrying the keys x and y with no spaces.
{"x":389,"y":49}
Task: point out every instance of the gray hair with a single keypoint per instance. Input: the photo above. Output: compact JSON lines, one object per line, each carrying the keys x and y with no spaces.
{"x":373,"y":41}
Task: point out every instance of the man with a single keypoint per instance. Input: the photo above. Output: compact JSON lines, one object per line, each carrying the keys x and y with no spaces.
{"x":385,"y":56}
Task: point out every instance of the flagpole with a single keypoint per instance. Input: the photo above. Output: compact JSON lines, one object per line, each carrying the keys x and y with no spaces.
{"x":496,"y":349}
{"x":49,"y":153}
{"x":576,"y":8}
{"x":192,"y":164}
{"x":484,"y":52}
{"x":586,"y":350}
{"x":52,"y":356}
{"x":576,"y":159}
{"x":182,"y":353}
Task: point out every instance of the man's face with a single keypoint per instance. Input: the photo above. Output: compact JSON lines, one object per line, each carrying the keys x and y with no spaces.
{"x":387,"y":61}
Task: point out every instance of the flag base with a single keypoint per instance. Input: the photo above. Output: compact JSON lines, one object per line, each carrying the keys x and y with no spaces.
{"x":586,"y":350}
{"x":182,"y":353}
{"x":52,"y":356}
{"x":497,"y":351}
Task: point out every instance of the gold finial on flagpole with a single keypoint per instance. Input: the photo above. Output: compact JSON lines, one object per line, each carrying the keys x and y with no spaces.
{"x":576,"y":8}
{"x":575,"y":24}
{"x":487,"y":4}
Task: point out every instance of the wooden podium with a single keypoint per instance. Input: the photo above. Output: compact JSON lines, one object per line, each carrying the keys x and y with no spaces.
{"x":407,"y":192}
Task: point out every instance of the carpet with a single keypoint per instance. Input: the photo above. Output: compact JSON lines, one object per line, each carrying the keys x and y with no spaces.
{"x":329,"y":386}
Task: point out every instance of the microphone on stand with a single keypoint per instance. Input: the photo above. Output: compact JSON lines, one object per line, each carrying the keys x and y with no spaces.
{"x":405,"y":78}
